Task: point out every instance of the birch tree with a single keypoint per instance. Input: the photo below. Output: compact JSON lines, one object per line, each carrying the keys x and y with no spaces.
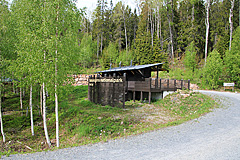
{"x":207,"y":29}
{"x":231,"y":23}
{"x":1,"y":121}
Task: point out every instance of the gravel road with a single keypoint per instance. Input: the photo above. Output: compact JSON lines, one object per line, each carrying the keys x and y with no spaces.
{"x":210,"y":137}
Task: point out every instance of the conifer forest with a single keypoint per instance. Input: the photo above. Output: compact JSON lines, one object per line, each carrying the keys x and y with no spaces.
{"x":42,"y":42}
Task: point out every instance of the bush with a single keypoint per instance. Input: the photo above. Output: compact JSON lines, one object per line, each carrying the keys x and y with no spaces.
{"x":232,"y":60}
{"x":212,"y":70}
{"x":190,"y":57}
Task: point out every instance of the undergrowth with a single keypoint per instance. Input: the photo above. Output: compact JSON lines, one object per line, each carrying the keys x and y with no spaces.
{"x":83,"y":122}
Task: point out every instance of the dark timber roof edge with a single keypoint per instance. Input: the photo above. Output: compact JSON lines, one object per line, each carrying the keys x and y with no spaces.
{"x":127,"y":68}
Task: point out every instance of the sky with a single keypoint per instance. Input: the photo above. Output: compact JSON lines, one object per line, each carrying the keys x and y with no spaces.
{"x":91,"y":4}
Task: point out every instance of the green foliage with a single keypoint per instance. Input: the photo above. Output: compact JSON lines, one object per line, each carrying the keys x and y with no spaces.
{"x":88,"y":49}
{"x":188,"y":107}
{"x":110,"y":55}
{"x":232,"y":60}
{"x":190,"y":57}
{"x":213,"y":70}
{"x":125,"y":57}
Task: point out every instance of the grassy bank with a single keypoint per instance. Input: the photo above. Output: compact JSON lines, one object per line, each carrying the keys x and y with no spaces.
{"x":82,"y":122}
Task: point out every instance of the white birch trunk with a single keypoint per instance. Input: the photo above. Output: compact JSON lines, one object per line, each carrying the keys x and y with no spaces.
{"x":3,"y":135}
{"x":44,"y":117}
{"x":171,"y":35}
{"x":56,"y":112}
{"x":21,"y":104}
{"x":158,"y":21}
{"x":231,"y":23}
{"x":125,"y":29}
{"x":31,"y":111}
{"x":207,"y":29}
{"x":56,"y":97}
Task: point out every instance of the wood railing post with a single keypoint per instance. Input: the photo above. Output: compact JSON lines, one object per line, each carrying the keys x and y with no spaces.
{"x":113,"y":90}
{"x":89,"y":89}
{"x":168,"y":84}
{"x":189,"y":84}
{"x":150,"y":91}
{"x":160,"y":83}
{"x":134,"y":96}
{"x":175,"y":84}
{"x":124,"y":81}
{"x":181,"y":84}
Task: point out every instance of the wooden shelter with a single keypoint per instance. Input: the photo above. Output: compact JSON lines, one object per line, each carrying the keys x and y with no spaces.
{"x":116,"y":85}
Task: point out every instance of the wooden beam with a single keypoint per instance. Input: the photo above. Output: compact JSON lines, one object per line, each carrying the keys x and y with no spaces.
{"x":134,"y":96}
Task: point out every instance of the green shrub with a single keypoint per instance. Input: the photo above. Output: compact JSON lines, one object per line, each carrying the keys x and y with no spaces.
{"x":190,"y":57}
{"x":232,"y":60}
{"x":212,"y":70}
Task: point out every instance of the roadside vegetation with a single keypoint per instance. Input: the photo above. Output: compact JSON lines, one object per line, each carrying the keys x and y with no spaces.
{"x":83,"y":122}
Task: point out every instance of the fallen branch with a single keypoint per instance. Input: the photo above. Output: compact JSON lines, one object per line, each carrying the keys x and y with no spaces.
{"x":25,"y":145}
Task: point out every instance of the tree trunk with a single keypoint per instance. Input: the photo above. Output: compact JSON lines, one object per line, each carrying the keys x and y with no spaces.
{"x":158,"y":21}
{"x":56,"y":97}
{"x":31,"y":111}
{"x":1,"y":122}
{"x":152,"y":25}
{"x":44,"y":117}
{"x":231,"y":23}
{"x":101,"y":42}
{"x":125,"y":29}
{"x":56,"y":112}
{"x":97,"y":46}
{"x":21,"y":104}
{"x":207,"y":29}
{"x":171,"y":34}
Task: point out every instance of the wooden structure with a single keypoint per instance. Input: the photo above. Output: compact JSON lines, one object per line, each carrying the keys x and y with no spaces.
{"x":115,"y":86}
{"x":107,"y":90}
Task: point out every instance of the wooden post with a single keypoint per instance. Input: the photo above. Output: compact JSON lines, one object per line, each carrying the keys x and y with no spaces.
{"x":149,"y":97}
{"x":141,"y":96}
{"x":98,"y":90}
{"x":117,"y":96}
{"x":134,"y":96}
{"x":94,"y":89}
{"x":113,"y":90}
{"x":175,"y":84}
{"x":105,"y":91}
{"x":160,"y":83}
{"x":89,"y":89}
{"x":156,"y":83}
{"x":181,"y":84}
{"x":167,"y":83}
{"x":124,"y":81}
{"x":189,"y":84}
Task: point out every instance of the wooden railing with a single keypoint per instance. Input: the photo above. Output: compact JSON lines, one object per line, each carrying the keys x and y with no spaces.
{"x":158,"y":85}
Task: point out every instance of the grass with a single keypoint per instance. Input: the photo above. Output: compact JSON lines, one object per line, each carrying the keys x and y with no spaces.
{"x":83,"y":122}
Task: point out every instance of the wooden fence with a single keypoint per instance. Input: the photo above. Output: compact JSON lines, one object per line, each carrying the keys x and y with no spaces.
{"x":107,"y":90}
{"x":158,"y":85}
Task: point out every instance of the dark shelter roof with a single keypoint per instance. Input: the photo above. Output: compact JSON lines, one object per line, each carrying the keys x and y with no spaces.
{"x":129,"y":68}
